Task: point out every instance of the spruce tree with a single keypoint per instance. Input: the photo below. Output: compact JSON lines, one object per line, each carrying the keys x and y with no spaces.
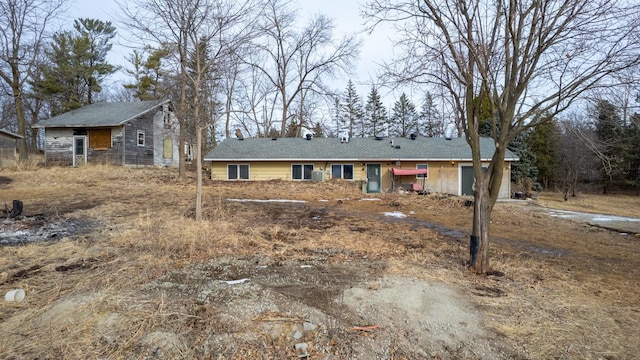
{"x":609,"y":130}
{"x":544,"y":142}
{"x":351,"y":112}
{"x":431,"y":122}
{"x":524,"y":172}
{"x":375,"y":121}
{"x":404,"y":119}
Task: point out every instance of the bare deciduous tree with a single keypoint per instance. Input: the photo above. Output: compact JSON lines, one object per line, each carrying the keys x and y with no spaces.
{"x":23,"y":27}
{"x":223,"y":26}
{"x":295,"y":61}
{"x":166,"y":23}
{"x":204,"y":34}
{"x":526,"y":57}
{"x":577,"y":147}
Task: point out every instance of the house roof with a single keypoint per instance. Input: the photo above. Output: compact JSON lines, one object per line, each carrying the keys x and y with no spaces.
{"x":356,"y":149}
{"x":100,"y":114}
{"x":10,"y":134}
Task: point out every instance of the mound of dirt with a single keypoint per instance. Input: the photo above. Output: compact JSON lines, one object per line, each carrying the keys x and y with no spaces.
{"x":333,"y":309}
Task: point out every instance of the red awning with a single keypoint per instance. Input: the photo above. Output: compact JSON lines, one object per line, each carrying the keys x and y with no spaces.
{"x":398,"y":171}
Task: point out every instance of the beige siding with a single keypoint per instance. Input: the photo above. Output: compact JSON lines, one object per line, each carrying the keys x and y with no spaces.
{"x":505,"y":187}
{"x":260,"y":170}
{"x":442,"y":177}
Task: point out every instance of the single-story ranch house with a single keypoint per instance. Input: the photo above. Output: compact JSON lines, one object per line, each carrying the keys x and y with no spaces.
{"x":8,"y":146}
{"x":120,"y":133}
{"x":440,"y":165}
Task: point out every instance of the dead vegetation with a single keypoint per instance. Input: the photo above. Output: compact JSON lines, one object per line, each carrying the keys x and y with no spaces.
{"x":142,"y":279}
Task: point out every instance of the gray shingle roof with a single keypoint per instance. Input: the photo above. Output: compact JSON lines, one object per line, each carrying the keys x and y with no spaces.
{"x":356,"y":149}
{"x":10,"y":134}
{"x":100,"y":114}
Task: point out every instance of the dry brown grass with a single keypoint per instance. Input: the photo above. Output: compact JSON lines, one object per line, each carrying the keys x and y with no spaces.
{"x":566,"y":290}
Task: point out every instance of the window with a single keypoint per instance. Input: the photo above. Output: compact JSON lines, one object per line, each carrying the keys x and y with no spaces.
{"x":237,"y":172}
{"x":140,"y":138}
{"x":342,"y":171}
{"x":301,"y":171}
{"x":422,"y":166}
{"x":166,"y":116}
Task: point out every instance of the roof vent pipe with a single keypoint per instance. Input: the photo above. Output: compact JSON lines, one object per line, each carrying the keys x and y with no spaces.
{"x":308,"y":136}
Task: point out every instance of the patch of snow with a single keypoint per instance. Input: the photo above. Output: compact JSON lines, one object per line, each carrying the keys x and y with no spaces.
{"x":235,"y":282}
{"x":396,"y":214}
{"x":267,"y":200}
{"x":613,"y":218}
{"x":369,"y":199}
{"x":592,"y":217}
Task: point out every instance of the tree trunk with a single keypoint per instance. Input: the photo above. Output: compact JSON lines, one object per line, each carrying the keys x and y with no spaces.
{"x":479,"y":242}
{"x":182,"y":119}
{"x":485,"y":192}
{"x":22,"y":122}
{"x":35,"y":132}
{"x":283,"y":127}
{"x":199,"y":173}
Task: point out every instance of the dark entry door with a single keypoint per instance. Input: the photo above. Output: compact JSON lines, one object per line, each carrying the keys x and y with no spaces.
{"x":467,"y":180}
{"x":373,"y":178}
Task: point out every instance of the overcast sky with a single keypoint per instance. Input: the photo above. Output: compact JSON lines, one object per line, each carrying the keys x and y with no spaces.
{"x":345,"y":13}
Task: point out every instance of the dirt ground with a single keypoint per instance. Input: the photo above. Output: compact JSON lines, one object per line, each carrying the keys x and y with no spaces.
{"x":115,"y":267}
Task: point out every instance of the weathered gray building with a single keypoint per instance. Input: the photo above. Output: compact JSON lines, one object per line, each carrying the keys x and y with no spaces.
{"x":8,"y":145}
{"x":124,"y":133}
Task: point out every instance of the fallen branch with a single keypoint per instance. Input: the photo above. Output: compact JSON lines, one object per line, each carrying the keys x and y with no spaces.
{"x":369,"y":328}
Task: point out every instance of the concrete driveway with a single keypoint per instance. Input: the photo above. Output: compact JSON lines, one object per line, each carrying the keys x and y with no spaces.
{"x":617,"y":223}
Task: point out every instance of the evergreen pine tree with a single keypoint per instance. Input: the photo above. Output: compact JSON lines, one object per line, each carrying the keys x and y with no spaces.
{"x":351,"y":114}
{"x":98,"y":35}
{"x":609,"y":130}
{"x":403,"y":120}
{"x":431,"y":123}
{"x":544,"y":142}
{"x":76,"y":65}
{"x":632,"y":158}
{"x":148,"y":74}
{"x":375,"y":122}
{"x":524,"y":172}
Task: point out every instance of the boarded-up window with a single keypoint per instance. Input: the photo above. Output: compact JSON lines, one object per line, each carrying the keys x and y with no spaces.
{"x":100,"y":139}
{"x":167,"y":152}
